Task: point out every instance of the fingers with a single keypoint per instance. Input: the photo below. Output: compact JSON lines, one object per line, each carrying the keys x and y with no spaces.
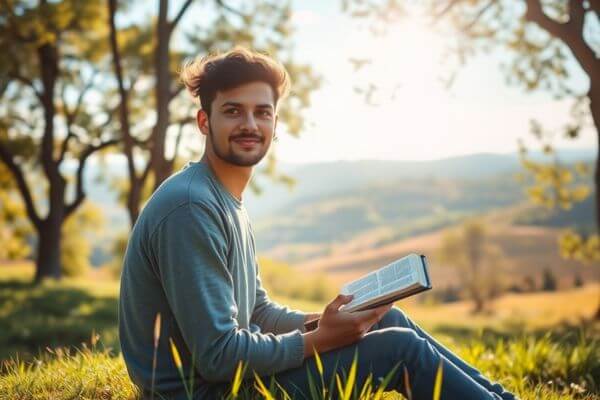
{"x":374,"y":314}
{"x":340,"y":300}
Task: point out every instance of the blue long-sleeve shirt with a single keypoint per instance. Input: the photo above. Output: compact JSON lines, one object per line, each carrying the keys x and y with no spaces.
{"x":191,"y":258}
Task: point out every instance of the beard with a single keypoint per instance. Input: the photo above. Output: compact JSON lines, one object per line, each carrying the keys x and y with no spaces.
{"x":238,"y":158}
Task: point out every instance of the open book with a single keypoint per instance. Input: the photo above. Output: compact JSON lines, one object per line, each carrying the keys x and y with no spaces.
{"x":397,"y":280}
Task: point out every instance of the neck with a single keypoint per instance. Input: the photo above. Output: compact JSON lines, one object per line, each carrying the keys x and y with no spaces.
{"x":234,"y":178}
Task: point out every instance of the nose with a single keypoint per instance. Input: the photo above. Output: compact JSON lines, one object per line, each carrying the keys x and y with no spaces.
{"x":249,"y":123}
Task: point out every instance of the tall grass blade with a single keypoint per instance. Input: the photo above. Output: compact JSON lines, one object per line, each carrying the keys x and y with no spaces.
{"x":437,"y":389}
{"x":237,"y":379}
{"x":407,"y":387}
{"x":261,"y":388}
{"x":385,"y":382}
{"x":351,"y":378}
{"x":156,"y":339}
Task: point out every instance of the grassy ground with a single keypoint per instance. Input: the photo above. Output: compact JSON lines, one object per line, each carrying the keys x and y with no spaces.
{"x":537,"y":344}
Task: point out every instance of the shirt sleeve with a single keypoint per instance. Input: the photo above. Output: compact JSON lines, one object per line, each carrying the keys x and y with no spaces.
{"x":192,"y":247}
{"x":272,"y":317}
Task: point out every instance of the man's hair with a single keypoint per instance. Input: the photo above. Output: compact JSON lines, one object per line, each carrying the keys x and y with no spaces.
{"x":205,"y":76}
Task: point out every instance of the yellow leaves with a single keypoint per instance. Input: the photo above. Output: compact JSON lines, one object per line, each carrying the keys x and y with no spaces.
{"x":14,"y":225}
{"x":76,"y":247}
{"x":574,"y":246}
{"x":582,"y":169}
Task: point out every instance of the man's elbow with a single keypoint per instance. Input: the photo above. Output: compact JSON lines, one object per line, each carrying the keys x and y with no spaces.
{"x":217,"y":367}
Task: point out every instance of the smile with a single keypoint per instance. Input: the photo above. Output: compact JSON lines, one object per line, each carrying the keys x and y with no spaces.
{"x":247,"y":142}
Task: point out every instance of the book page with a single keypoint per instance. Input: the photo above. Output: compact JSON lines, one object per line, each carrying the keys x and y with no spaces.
{"x":397,"y":275}
{"x":362,"y":289}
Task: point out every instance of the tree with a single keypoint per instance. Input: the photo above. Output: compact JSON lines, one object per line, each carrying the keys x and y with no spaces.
{"x":476,"y":259}
{"x":48,"y":121}
{"x":146,"y":63}
{"x":543,"y":39}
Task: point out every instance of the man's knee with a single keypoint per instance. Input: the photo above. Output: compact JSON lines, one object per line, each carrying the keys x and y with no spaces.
{"x":395,"y":318}
{"x":402,"y":344}
{"x":388,"y":340}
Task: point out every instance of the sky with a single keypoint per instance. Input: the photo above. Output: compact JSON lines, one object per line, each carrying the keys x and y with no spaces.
{"x":423,"y":120}
{"x":480,"y":113}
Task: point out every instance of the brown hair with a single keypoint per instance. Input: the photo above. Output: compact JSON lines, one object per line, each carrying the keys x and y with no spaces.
{"x":205,"y":76}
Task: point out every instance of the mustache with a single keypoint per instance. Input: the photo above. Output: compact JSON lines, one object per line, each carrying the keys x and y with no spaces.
{"x":246,"y":136}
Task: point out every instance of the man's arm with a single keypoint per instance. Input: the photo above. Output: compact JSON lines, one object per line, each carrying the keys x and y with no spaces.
{"x":190,"y":247}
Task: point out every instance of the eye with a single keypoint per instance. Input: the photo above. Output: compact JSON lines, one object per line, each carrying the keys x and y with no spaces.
{"x":265,"y":113}
{"x":232,"y":111}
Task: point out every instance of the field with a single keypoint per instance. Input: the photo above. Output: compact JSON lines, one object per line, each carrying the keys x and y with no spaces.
{"x":526,"y":252}
{"x":59,"y":341}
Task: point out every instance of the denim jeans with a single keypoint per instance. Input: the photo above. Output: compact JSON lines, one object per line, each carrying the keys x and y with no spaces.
{"x":395,"y":340}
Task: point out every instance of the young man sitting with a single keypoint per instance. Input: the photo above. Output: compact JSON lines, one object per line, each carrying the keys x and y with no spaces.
{"x":191,"y":257}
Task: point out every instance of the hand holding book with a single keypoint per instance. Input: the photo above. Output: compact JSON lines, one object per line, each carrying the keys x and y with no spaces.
{"x":337,"y":328}
{"x":397,"y":280}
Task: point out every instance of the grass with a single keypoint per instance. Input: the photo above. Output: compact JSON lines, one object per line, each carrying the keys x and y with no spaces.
{"x":50,"y":346}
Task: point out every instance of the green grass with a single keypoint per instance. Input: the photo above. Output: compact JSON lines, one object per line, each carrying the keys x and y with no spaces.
{"x":50,"y":349}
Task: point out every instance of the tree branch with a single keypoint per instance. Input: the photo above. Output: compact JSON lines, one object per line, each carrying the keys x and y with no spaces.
{"x":478,"y":16}
{"x":222,"y":4}
{"x":28,"y":82}
{"x":17,"y":173}
{"x":179,"y":15}
{"x":71,"y":116}
{"x":449,"y":5}
{"x":570,"y":33}
{"x":80,"y":194}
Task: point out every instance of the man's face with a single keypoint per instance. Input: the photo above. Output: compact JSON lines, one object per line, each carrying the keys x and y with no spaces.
{"x":241,"y":125}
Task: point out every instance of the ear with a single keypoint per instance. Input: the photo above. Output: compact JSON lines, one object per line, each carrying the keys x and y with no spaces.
{"x":202,"y":121}
{"x":275,"y":127}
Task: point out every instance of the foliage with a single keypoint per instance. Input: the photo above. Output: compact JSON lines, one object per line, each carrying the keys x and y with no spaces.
{"x":52,"y":117}
{"x":559,"y":185}
{"x":476,"y":259}
{"x":156,"y":114}
{"x":558,"y":362}
{"x":549,"y":283}
{"x":14,"y":226}
{"x":563,"y":365}
{"x":283,"y":280}
{"x":76,"y":246}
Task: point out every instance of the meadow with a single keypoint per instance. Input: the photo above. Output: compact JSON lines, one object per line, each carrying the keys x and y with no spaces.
{"x":59,"y":341}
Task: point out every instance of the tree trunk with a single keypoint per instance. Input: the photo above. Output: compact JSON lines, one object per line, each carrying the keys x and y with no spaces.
{"x":47,"y":264}
{"x":160,"y":165}
{"x":594,"y":96}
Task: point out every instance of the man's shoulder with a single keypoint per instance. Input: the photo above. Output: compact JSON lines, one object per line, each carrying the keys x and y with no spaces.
{"x":190,"y":185}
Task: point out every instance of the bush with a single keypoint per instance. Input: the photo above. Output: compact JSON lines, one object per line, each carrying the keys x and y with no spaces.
{"x":282,"y":279}
{"x":548,"y":281}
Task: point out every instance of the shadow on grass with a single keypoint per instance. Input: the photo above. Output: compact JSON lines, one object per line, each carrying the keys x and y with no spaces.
{"x":35,"y":317}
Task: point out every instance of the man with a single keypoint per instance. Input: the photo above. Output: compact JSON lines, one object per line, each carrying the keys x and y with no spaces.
{"x":191,"y":258}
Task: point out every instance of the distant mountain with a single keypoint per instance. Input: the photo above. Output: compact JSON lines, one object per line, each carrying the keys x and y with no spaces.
{"x":339,"y":200}
{"x":324,"y":179}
